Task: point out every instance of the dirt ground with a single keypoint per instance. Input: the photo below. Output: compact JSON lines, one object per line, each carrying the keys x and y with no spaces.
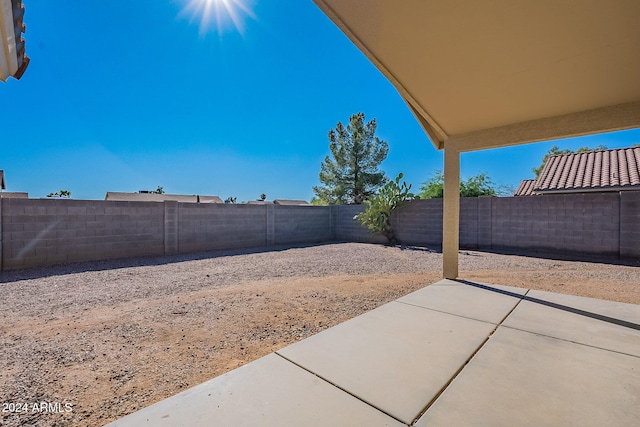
{"x":97,"y":341}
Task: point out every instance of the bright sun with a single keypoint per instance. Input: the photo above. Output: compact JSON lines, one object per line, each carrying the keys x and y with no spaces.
{"x":218,"y":15}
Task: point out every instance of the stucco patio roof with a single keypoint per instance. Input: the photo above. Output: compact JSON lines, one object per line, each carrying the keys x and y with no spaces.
{"x":483,"y":74}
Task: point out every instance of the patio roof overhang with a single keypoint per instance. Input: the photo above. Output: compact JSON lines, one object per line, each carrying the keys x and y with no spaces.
{"x":486,"y":74}
{"x":13,"y":60}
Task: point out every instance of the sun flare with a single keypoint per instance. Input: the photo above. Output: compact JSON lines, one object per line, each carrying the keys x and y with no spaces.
{"x":219,"y":15}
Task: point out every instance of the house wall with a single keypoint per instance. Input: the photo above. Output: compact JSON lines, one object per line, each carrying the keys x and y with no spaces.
{"x":38,"y":232}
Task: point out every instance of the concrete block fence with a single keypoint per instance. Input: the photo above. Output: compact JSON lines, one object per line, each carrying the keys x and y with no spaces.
{"x":39,"y":232}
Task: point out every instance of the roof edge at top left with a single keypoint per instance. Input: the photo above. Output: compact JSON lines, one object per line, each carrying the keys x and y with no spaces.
{"x":13,"y":58}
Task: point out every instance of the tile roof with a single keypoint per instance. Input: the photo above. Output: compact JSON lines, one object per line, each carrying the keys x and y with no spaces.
{"x":153,"y":197}
{"x":601,"y":170}
{"x":525,"y":188}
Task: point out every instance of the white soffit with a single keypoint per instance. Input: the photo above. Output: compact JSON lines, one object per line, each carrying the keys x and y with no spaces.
{"x":481,"y":73}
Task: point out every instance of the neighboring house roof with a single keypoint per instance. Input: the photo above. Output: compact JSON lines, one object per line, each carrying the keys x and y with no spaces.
{"x":2,"y":184}
{"x":13,"y":195}
{"x":153,"y":197}
{"x":291,"y":202}
{"x":259,"y":202}
{"x":13,"y":60}
{"x":525,"y":188}
{"x":603,"y":170}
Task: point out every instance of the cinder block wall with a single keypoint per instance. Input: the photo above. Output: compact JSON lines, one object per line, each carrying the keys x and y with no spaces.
{"x":590,"y":223}
{"x":38,"y":232}
{"x":630,"y":224}
{"x":302,"y":224}
{"x":419,"y":222}
{"x":468,"y":222}
{"x":350,"y":230}
{"x":46,"y":232}
{"x":203,"y":227}
{"x":568,"y":223}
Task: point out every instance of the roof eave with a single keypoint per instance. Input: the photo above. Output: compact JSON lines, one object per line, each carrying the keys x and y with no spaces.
{"x":599,"y":120}
{"x":13,"y":59}
{"x":435,"y":133}
{"x":588,"y":190}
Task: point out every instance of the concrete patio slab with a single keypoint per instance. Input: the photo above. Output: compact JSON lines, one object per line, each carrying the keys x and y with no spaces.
{"x":464,"y":300}
{"x":397,"y":357}
{"x":443,"y":356}
{"x":523,"y":379}
{"x":604,"y":324}
{"x":267,"y":392}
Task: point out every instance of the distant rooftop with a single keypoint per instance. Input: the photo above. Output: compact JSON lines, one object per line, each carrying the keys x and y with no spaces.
{"x":525,"y":188}
{"x":291,"y":202}
{"x":602,"y":170}
{"x":13,"y":195}
{"x":154,"y":197}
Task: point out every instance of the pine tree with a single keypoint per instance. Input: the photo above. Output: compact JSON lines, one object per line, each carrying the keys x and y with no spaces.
{"x":352,"y":175}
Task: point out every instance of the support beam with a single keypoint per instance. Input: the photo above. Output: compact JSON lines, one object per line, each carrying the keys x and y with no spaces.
{"x":451,"y":212}
{"x":600,"y":120}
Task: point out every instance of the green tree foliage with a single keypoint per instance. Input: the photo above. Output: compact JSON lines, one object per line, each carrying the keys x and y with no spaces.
{"x":263,"y":197}
{"x":352,"y":175}
{"x":377,"y":216}
{"x":232,"y":200}
{"x":317,"y":202}
{"x":479,"y":185}
{"x":64,"y":194}
{"x":158,"y":190}
{"x":555,"y":150}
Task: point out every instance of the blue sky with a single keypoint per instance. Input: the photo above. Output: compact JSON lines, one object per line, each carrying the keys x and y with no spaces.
{"x":130,"y":95}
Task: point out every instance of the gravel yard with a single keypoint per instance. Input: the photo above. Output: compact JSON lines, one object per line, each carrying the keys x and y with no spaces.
{"x":107,"y":338}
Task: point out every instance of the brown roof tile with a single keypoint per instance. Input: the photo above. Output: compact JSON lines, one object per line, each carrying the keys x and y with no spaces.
{"x":603,"y":170}
{"x":525,"y":188}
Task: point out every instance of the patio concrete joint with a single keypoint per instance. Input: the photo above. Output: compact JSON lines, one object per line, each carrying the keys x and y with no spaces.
{"x":338,"y":387}
{"x":445,"y":312}
{"x":459,"y":371}
{"x":477,"y":285}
